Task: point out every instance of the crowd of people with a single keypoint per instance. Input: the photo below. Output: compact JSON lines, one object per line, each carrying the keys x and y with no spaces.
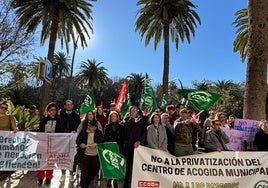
{"x":174,"y":130}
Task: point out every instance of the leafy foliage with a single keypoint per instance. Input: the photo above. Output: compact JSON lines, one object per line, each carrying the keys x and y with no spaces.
{"x":14,"y":44}
{"x":22,"y":115}
{"x":241,"y":40}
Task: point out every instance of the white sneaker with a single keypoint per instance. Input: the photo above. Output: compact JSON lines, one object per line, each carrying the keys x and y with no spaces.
{"x":71,"y":178}
{"x":62,"y":178}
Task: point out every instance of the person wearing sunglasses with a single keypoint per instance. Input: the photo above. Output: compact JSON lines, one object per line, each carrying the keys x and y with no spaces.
{"x":216,"y":139}
{"x":7,"y":121}
{"x":221,"y":116}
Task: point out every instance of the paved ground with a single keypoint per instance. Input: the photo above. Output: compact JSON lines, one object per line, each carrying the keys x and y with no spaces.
{"x":27,"y":179}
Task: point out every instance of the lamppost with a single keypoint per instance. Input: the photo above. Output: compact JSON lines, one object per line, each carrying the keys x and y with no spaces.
{"x":72,"y":67}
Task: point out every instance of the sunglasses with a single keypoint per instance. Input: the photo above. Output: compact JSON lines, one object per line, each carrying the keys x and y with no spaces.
{"x":3,"y":107}
{"x":217,"y":124}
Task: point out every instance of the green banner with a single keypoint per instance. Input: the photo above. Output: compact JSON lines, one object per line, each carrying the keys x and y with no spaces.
{"x":113,"y":164}
{"x":125,"y":106}
{"x":200,"y":99}
{"x":149,"y":99}
{"x":88,"y":103}
{"x":164,"y":102}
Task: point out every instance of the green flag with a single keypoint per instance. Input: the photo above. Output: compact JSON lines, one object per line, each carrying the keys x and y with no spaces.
{"x":88,"y":103}
{"x":125,"y":106}
{"x":113,"y":164}
{"x":164,"y":102}
{"x":200,"y":99}
{"x":149,"y":100}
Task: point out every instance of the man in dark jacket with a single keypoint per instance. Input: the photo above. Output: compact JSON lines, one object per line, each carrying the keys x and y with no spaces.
{"x":135,"y":135}
{"x":216,"y":139}
{"x":70,"y":120}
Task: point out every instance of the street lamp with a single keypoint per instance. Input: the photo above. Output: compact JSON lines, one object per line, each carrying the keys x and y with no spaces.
{"x":72,"y":67}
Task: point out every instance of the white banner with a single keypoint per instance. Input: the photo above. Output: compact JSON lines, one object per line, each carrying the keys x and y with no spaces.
{"x":157,"y":169}
{"x":36,"y":151}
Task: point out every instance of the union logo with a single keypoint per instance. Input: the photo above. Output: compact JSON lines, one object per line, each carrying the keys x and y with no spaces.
{"x":200,"y":96}
{"x":261,"y":184}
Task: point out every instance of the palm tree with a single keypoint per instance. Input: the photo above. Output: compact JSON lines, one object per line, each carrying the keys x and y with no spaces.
{"x":241,"y":45}
{"x":256,"y":77}
{"x":60,"y":73}
{"x":205,"y":85}
{"x":135,"y":87}
{"x":59,"y":19}
{"x":222,"y":86}
{"x":92,"y":75}
{"x":33,"y":71}
{"x":241,"y":40}
{"x":166,"y":18}
{"x":61,"y":68}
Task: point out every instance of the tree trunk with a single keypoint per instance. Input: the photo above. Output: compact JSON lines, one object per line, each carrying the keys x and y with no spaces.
{"x":256,"y":77}
{"x":45,"y":94}
{"x":166,"y":59}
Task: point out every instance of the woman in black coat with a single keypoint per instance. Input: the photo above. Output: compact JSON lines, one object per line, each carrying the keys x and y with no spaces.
{"x":87,"y":154}
{"x":114,"y":132}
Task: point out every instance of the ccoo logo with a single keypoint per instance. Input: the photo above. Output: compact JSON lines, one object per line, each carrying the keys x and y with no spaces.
{"x":200,"y":96}
{"x":261,"y":184}
{"x":113,"y":159}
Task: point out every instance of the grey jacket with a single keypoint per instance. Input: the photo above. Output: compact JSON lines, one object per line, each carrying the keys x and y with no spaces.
{"x":154,"y":141}
{"x":212,"y":140}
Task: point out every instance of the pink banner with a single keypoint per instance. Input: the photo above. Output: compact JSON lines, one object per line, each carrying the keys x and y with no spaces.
{"x":236,"y":139}
{"x":249,"y":129}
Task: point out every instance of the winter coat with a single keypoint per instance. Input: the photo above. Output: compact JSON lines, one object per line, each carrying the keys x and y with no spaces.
{"x":82,"y":138}
{"x":184,"y":132}
{"x":135,"y":130}
{"x":261,"y":141}
{"x":50,"y":125}
{"x":215,"y":140}
{"x":69,"y":122}
{"x":115,"y":133}
{"x":157,"y":137}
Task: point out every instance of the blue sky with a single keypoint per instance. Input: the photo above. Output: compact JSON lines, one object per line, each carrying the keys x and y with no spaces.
{"x":209,"y":56}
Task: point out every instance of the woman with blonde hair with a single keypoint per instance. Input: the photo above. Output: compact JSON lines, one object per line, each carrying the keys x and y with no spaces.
{"x":114,"y":132}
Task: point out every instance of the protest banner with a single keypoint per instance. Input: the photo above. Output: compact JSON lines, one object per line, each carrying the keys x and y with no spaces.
{"x":236,"y":139}
{"x":157,"y":169}
{"x":113,"y":164}
{"x":249,"y":128}
{"x":36,"y":151}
